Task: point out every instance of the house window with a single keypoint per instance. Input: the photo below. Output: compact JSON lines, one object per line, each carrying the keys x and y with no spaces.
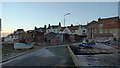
{"x":83,"y":31}
{"x":54,"y":30}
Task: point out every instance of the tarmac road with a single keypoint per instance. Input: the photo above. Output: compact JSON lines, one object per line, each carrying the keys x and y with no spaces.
{"x":47,"y":56}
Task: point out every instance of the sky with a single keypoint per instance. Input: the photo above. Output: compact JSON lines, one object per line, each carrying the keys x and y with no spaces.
{"x":27,"y":15}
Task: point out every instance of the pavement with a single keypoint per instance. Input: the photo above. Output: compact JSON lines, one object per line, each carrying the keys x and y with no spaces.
{"x":46,"y":56}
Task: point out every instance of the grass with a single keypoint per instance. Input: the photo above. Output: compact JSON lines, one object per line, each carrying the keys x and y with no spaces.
{"x":6,"y":51}
{"x":9,"y":51}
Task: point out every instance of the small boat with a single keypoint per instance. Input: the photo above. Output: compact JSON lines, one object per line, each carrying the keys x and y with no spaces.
{"x":22,"y":46}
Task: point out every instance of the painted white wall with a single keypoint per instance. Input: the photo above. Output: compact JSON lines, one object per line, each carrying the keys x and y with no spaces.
{"x":79,"y":31}
{"x":66,"y":30}
{"x":55,"y":30}
{"x":10,"y":38}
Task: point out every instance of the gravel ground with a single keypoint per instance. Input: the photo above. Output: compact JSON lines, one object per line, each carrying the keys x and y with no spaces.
{"x":98,"y":60}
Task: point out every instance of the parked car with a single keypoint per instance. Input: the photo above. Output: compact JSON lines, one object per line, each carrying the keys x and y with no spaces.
{"x":89,"y":44}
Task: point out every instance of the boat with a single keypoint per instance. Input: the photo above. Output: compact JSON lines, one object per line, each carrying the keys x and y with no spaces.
{"x":22,"y":46}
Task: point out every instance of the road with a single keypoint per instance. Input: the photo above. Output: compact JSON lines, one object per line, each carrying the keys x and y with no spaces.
{"x":46,"y":56}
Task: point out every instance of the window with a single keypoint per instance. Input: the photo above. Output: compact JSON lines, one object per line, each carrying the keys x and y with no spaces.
{"x":83,"y":31}
{"x":100,"y":30}
{"x":54,"y":30}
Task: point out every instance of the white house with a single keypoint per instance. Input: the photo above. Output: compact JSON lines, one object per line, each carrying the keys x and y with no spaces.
{"x":65,"y":30}
{"x":53,"y":28}
{"x":77,"y":29}
{"x":19,"y":31}
{"x":14,"y":36}
{"x":11,"y":38}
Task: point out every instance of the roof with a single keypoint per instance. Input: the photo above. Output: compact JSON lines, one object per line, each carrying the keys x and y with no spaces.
{"x":111,"y":19}
{"x":53,"y":26}
{"x":62,"y":28}
{"x":51,"y":33}
{"x":30,"y":31}
{"x":115,"y":25}
{"x":10,"y":35}
{"x":20,"y":30}
{"x":92,"y":24}
{"x":73,"y":27}
{"x":83,"y":26}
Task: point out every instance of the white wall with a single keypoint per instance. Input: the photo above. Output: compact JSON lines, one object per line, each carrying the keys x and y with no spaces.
{"x":66,"y":30}
{"x":10,"y":38}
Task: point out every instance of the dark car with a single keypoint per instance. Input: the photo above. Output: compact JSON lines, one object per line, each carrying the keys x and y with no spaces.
{"x":89,"y":44}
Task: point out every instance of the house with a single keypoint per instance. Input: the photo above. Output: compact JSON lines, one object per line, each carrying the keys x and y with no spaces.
{"x":14,"y":37}
{"x":92,"y":29}
{"x":110,"y":25}
{"x":41,"y":29}
{"x":53,"y":28}
{"x":21,"y":34}
{"x":65,"y":30}
{"x":11,"y":38}
{"x":36,"y":36}
{"x":77,"y":29}
{"x":62,"y":30}
{"x":30,"y":34}
{"x":19,"y":31}
{"x":73,"y":33}
{"x":50,"y":36}
{"x":105,"y":26}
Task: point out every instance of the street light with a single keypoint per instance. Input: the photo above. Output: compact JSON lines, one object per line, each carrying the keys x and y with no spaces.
{"x":64,"y":18}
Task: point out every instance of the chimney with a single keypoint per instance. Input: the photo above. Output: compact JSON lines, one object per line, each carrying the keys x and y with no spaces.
{"x":99,"y":19}
{"x":59,"y":23}
{"x":49,"y":25}
{"x":35,"y":28}
{"x":45,"y":26}
{"x":71,"y":24}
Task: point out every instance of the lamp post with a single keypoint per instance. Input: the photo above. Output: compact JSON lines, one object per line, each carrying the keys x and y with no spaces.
{"x":64,"y":18}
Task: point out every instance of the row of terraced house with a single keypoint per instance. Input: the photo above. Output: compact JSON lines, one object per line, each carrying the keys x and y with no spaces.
{"x":104,"y":27}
